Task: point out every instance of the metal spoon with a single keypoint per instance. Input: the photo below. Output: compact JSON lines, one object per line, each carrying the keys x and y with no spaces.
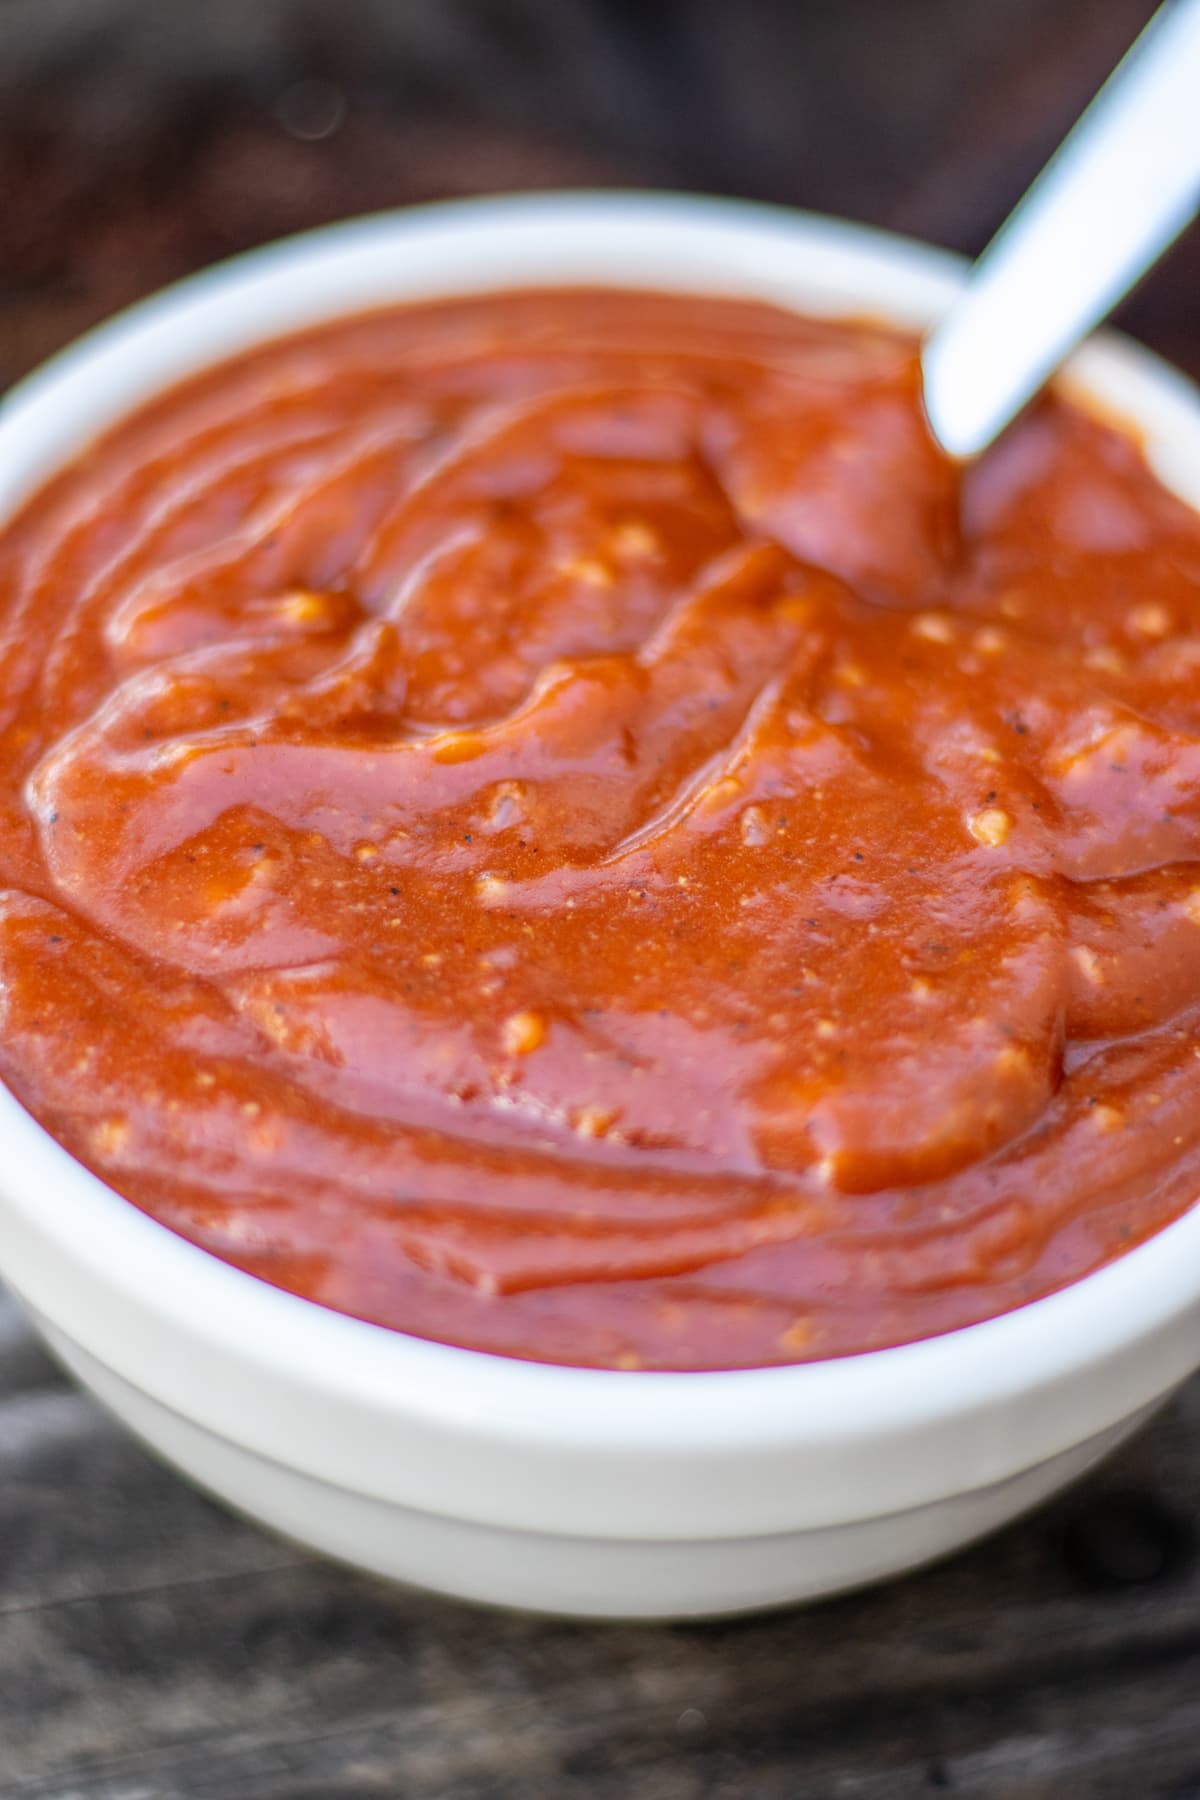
{"x":1121,"y":186}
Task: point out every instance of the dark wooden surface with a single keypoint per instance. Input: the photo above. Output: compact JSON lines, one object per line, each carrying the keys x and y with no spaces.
{"x":142,"y":138}
{"x":153,"y":1647}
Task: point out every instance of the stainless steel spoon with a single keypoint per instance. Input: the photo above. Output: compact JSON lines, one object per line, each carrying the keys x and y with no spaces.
{"x":1123,"y":184}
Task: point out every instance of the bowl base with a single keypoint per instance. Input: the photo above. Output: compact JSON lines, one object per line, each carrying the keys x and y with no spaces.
{"x":577,"y":1577}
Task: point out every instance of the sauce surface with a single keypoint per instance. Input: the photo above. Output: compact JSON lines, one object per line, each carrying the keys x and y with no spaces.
{"x":557,"y":823}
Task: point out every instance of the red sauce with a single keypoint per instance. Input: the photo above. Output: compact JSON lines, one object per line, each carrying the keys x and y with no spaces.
{"x":557,"y":824}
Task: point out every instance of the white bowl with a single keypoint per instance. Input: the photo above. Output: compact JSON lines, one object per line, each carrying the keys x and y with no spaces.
{"x":570,"y":1490}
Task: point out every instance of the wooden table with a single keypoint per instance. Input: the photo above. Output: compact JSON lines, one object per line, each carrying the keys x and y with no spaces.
{"x":153,"y":1647}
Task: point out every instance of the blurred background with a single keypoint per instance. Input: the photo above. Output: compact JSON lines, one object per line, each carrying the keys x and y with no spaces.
{"x":140,"y":139}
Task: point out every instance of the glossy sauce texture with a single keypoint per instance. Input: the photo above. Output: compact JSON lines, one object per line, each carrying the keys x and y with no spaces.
{"x":554,"y":823}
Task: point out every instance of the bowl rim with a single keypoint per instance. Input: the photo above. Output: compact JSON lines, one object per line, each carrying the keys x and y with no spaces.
{"x":656,"y":241}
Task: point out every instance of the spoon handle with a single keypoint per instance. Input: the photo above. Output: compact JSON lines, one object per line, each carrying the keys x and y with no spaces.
{"x":1122,"y":185}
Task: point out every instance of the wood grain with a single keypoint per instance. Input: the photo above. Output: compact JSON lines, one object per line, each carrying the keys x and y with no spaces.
{"x":153,"y":1647}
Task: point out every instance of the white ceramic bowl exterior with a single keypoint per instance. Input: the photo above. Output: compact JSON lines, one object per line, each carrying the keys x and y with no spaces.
{"x":571,"y":1490}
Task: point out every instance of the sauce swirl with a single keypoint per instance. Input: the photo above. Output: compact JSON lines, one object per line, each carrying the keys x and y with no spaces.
{"x":559,"y":823}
